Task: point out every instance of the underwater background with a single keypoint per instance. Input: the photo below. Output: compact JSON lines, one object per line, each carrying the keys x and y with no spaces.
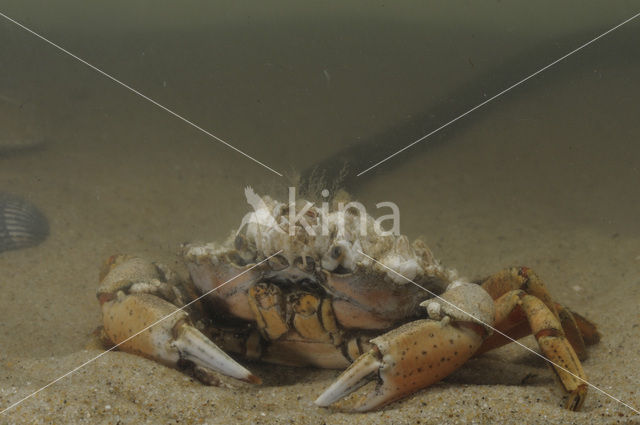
{"x":545,"y":176}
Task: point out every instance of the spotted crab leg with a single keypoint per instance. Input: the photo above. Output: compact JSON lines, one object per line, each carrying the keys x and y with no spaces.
{"x":140,"y":307}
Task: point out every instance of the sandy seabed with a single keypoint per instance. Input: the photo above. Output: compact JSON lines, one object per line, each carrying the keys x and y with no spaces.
{"x":509,"y":385}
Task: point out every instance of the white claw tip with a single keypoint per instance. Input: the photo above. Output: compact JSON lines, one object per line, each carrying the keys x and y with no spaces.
{"x":325,"y":399}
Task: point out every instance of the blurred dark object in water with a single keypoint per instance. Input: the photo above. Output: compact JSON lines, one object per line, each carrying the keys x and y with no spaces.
{"x":13,"y":146}
{"x":361,"y":155}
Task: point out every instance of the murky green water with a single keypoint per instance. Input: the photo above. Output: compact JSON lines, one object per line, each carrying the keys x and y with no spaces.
{"x":546,"y":175}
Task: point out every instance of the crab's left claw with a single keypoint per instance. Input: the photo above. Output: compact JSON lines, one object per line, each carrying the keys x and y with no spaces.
{"x":405,"y":360}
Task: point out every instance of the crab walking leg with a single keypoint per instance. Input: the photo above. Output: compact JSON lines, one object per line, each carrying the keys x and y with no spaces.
{"x":406,"y":360}
{"x":547,"y":329}
{"x":575,"y":323}
{"x":572,"y":331}
{"x":515,"y":326}
{"x":518,"y":278}
{"x":578,"y":330}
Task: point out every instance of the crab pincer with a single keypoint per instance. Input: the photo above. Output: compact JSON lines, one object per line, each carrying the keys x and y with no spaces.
{"x":139,"y":319}
{"x":414,"y":355}
{"x":406,"y":360}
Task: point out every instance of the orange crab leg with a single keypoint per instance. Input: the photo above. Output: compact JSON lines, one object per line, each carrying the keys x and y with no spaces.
{"x":585,"y":328}
{"x":497,"y":340}
{"x":578,"y":330}
{"x":547,"y":329}
{"x":518,"y":278}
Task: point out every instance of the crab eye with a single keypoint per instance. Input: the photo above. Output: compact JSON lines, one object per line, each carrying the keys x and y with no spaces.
{"x":311,"y":263}
{"x":240,"y":242}
{"x":336,"y":252}
{"x":308,"y":265}
{"x":278,"y":263}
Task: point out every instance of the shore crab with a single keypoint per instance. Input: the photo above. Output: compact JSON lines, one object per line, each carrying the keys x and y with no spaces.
{"x":332,"y":291}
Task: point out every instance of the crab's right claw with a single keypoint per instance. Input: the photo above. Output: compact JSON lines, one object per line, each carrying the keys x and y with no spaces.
{"x":138,"y":320}
{"x":197,"y":348}
{"x":170,"y":338}
{"x":404,"y":361}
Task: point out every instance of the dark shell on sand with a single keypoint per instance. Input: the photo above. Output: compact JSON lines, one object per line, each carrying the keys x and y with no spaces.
{"x":21,"y":224}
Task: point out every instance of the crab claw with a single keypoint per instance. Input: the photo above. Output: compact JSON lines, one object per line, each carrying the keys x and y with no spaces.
{"x":147,"y":325}
{"x":140,"y":315}
{"x":405,"y":360}
{"x":351,"y":379}
{"x":197,"y":348}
